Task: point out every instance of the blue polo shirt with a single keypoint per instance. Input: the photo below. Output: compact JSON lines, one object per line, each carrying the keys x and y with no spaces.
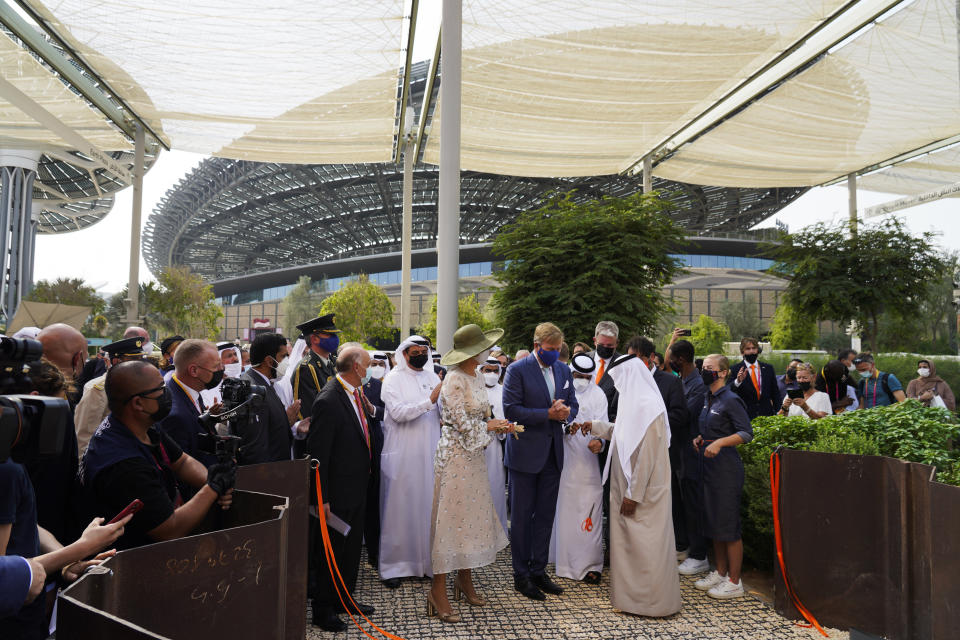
{"x":873,"y":393}
{"x":724,"y":414}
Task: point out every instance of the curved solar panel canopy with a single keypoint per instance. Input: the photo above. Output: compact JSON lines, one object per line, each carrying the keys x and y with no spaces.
{"x":232,"y":217}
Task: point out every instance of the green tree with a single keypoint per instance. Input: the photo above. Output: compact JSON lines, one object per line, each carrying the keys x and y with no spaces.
{"x":468,"y":312}
{"x":72,"y":291}
{"x":573,"y":263}
{"x":116,"y":310}
{"x":185,"y":305}
{"x":792,"y":329}
{"x":364,"y":311}
{"x":708,"y":336}
{"x":837,"y":275}
{"x":742,"y":317}
{"x":301,"y":304}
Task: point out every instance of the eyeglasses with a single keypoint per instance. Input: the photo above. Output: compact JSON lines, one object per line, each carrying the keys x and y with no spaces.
{"x":144,"y":394}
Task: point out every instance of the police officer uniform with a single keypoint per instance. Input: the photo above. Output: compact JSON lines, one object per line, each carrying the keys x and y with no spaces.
{"x":92,"y":408}
{"x":313,"y":372}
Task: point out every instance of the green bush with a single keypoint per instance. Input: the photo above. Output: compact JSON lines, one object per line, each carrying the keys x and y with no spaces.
{"x":908,"y":431}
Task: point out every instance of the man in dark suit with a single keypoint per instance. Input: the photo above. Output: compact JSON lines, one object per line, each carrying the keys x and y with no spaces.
{"x":375,"y":412}
{"x":268,"y":438}
{"x":197,"y":366}
{"x":755,"y":382}
{"x":538,"y":394}
{"x":339,"y":441}
{"x":678,"y":416}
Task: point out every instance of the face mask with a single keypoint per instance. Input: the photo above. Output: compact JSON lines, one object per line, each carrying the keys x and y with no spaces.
{"x":329,"y":344}
{"x":377,"y":371}
{"x":923,"y":372}
{"x":750,"y":358}
{"x":164,"y":404}
{"x":580,"y":384}
{"x":418,"y":360}
{"x":365,"y":378}
{"x":491,"y":378}
{"x":852,"y":369}
{"x":547,"y":357}
{"x":675,"y":367}
{"x":233,"y":370}
{"x":791,"y":374}
{"x":215,"y":380}
{"x":866,"y":374}
{"x":148,"y":348}
{"x":604,"y":352}
{"x":709,"y":377}
{"x":804,"y":386}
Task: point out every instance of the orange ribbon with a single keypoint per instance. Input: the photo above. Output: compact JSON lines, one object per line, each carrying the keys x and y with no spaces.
{"x":335,"y":571}
{"x":778,"y":537}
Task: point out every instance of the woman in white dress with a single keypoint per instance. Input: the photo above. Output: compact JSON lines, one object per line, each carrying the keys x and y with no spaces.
{"x":465,"y":530}
{"x":812,"y":404}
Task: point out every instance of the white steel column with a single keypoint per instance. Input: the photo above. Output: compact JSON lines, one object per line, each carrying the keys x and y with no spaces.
{"x":18,"y":170}
{"x":448,"y":213}
{"x":852,"y":201}
{"x":133,"y":284}
{"x":647,"y":174}
{"x":409,"y":154}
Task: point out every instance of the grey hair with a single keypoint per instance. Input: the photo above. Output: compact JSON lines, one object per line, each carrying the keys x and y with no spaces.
{"x":607,"y":328}
{"x":349,"y":354}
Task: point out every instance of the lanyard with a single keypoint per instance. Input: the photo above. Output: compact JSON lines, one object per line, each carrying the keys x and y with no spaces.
{"x":180,"y":384}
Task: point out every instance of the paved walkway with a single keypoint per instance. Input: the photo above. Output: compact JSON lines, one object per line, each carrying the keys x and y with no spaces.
{"x":583,"y":612}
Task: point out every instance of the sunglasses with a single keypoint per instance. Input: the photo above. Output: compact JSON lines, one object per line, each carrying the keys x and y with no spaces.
{"x":144,"y":394}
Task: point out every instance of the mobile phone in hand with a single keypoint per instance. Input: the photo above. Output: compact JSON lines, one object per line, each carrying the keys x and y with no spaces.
{"x":133,"y":507}
{"x":793,"y":394}
{"x":686,"y":332}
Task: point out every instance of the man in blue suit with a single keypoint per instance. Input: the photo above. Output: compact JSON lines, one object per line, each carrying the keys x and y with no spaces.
{"x":198,"y":367}
{"x":537,"y":393}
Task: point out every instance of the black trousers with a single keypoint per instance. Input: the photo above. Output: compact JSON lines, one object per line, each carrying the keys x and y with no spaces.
{"x":371,"y":527}
{"x":346,"y":551}
{"x":692,"y":493}
{"x":680,"y":533}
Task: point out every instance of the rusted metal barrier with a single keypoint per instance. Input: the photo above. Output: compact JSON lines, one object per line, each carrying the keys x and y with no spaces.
{"x":870,"y":542}
{"x":244,"y":577}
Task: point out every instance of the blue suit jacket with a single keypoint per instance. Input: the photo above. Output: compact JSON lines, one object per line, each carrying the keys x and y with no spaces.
{"x":526,"y":400}
{"x":183,"y":424}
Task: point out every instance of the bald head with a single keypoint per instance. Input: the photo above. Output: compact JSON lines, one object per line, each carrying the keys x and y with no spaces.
{"x":127,"y":386}
{"x":352,"y":362}
{"x":65,"y":347}
{"x":136,"y":332}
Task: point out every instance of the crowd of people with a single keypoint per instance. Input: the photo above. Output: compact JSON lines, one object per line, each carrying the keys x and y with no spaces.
{"x":583,"y":458}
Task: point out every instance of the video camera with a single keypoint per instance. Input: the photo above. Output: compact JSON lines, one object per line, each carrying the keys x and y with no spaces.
{"x":31,"y":427}
{"x":239,"y":398}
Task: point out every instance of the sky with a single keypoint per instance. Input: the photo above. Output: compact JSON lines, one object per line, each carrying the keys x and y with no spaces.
{"x":100,"y":254}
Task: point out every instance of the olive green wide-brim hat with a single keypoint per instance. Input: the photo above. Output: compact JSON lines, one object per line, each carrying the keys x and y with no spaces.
{"x":470,"y":340}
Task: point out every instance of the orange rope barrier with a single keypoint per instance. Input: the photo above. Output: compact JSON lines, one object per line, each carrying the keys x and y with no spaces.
{"x":335,"y":571}
{"x":778,"y":537}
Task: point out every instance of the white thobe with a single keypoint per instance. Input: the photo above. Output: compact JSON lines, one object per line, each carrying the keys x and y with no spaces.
{"x":494,"y":455}
{"x":411,"y":430}
{"x":576,"y":545}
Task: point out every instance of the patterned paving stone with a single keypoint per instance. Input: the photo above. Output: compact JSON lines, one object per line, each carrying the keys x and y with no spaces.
{"x":583,"y":612}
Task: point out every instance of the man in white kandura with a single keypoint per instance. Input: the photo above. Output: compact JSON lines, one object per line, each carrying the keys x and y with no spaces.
{"x":411,"y":430}
{"x":643,"y":560}
{"x":576,"y":545}
{"x":494,"y":453}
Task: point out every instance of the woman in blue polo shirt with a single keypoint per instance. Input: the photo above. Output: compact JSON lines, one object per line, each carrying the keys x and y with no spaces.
{"x":724,"y":424}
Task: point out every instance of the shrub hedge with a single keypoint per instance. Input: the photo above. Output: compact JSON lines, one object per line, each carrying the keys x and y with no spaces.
{"x":908,"y":431}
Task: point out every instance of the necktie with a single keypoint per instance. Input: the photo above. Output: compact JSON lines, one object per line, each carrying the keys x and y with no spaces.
{"x":200,"y":403}
{"x":756,"y":383}
{"x":600,"y":371}
{"x":363,"y":418}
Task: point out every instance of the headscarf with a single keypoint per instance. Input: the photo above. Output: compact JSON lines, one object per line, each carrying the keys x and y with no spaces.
{"x":235,"y":369}
{"x":401,"y":361}
{"x":284,"y":386}
{"x":928,"y":383}
{"x":27,"y":332}
{"x":640,"y":403}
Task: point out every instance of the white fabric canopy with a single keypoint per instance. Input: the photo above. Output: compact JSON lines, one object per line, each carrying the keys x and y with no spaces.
{"x":917,"y":176}
{"x":268,"y":80}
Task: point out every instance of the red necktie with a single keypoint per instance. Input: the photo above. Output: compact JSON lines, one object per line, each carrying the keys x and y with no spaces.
{"x":363,"y":418}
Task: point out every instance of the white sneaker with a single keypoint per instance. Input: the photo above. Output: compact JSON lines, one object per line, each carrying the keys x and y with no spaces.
{"x":682,"y":555}
{"x":726,"y":590}
{"x":709,"y":581}
{"x":692,"y":566}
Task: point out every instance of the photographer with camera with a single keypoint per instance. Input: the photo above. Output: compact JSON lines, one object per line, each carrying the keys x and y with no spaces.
{"x":130,"y":459}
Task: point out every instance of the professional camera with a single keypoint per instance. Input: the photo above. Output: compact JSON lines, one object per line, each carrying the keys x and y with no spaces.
{"x":239,"y":397}
{"x":31,"y":427}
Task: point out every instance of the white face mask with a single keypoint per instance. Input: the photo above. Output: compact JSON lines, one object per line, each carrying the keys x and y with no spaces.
{"x":148,"y":348}
{"x":377,"y":371}
{"x":923,"y":372}
{"x":491,"y":378}
{"x":233,"y":370}
{"x":580,"y":384}
{"x":852,"y":368}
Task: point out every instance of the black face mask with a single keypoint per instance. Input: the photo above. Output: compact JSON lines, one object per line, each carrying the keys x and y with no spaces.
{"x":805,"y":386}
{"x":750,"y":358}
{"x":604,"y":352}
{"x":215,"y":380}
{"x":164,"y":405}
{"x":418,"y":360}
{"x":791,"y":374}
{"x":709,"y":377}
{"x":675,"y":366}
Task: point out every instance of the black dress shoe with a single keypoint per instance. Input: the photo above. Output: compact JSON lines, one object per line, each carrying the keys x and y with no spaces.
{"x":527,"y":588}
{"x":391,"y":583}
{"x":365,"y":609}
{"x":327,"y":620}
{"x":547,"y":585}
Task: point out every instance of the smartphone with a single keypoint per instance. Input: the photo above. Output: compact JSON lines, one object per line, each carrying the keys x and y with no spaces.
{"x":133,"y":507}
{"x":793,"y":394}
{"x":686,"y":332}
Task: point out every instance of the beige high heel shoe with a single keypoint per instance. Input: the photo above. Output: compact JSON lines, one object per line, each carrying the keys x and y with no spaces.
{"x":458,"y":591}
{"x":434,"y":610}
